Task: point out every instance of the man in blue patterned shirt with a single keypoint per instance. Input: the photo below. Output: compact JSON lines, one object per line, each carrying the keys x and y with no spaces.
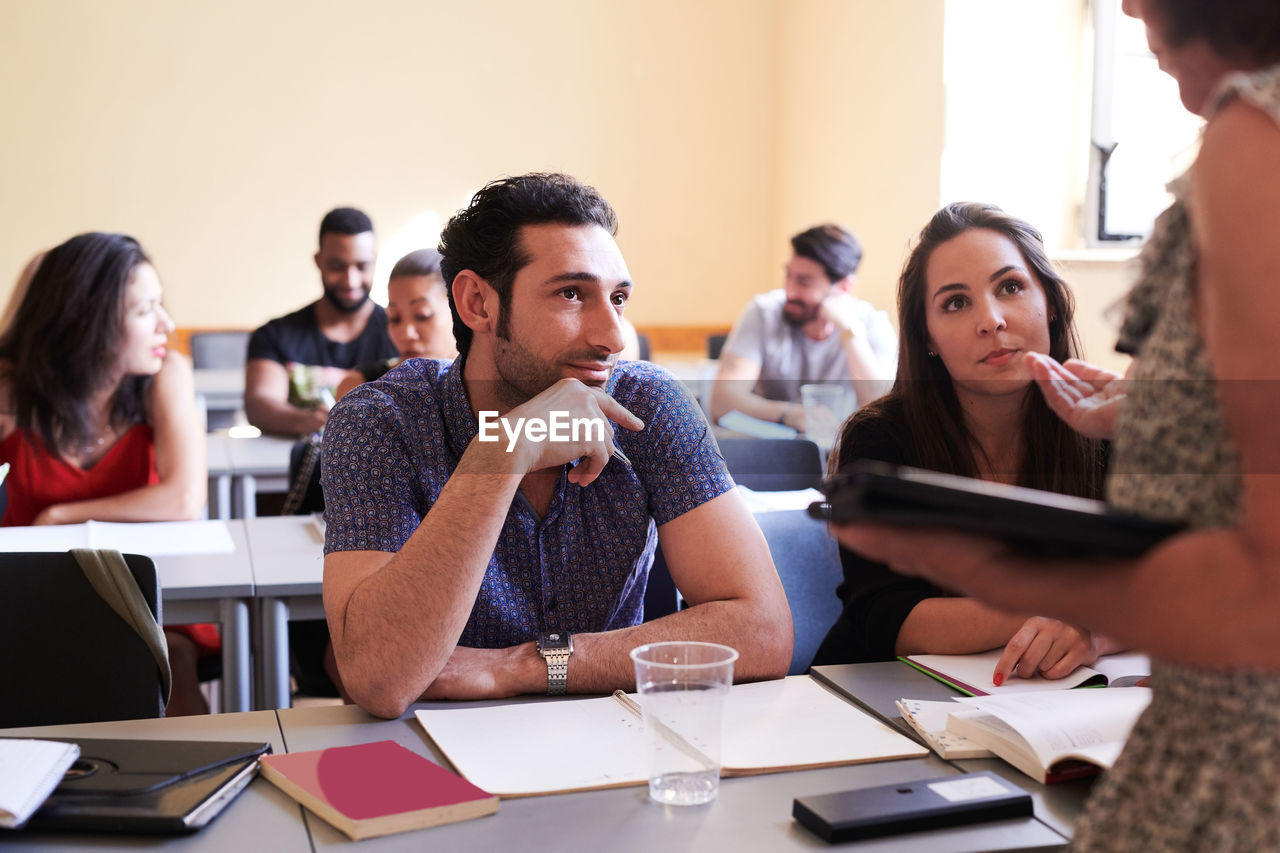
{"x":459,"y":567}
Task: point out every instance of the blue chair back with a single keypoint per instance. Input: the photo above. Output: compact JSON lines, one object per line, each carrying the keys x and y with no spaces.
{"x":808,"y":563}
{"x":772,"y":464}
{"x":224,"y":350}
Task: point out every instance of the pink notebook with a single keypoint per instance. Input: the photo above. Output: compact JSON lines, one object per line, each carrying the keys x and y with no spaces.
{"x":376,"y":788}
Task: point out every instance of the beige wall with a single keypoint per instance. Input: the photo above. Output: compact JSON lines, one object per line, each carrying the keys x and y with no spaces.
{"x":220,"y":133}
{"x":860,"y":117}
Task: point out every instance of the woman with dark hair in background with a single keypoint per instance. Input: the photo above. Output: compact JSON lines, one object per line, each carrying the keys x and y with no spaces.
{"x":97,"y":416}
{"x":976,"y":293}
{"x":418,"y":317}
{"x":1194,"y":430}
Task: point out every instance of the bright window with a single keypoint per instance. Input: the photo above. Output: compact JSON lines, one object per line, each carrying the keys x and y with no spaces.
{"x":1141,"y":137}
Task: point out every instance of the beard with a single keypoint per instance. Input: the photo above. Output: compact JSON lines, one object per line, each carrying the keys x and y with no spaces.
{"x":795,"y":313}
{"x":523,"y":375}
{"x":331,"y":296}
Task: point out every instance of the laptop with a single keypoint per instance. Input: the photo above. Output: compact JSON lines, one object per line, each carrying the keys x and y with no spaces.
{"x":148,"y":786}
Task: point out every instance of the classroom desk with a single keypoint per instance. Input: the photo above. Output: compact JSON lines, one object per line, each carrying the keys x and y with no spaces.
{"x":752,"y":813}
{"x":288,"y":565}
{"x":215,"y":588}
{"x":257,"y":464}
{"x":875,"y":687}
{"x":222,"y":388}
{"x":261,"y":817}
{"x":218,"y":458}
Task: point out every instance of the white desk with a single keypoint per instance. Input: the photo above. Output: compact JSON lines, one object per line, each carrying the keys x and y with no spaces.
{"x":215,"y":588}
{"x":219,"y":461}
{"x":223,"y":388}
{"x":288,"y":566}
{"x":257,"y":464}
{"x":752,"y":813}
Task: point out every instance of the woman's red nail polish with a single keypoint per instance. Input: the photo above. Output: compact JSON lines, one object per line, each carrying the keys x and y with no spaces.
{"x":998,"y":680}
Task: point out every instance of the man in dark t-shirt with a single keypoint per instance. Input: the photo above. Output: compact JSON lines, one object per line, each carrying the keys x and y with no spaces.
{"x":295,"y":361}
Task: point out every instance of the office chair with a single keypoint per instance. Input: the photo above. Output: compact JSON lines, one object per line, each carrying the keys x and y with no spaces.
{"x":715,"y":345}
{"x":646,"y":347}
{"x":69,"y":658}
{"x":808,"y":563}
{"x":219,"y":349}
{"x":772,"y":464}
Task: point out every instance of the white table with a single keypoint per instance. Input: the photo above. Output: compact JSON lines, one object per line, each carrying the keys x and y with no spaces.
{"x":257,"y":464}
{"x":215,"y":588}
{"x":222,"y":388}
{"x":220,"y":475}
{"x":752,"y":813}
{"x":199,"y":587}
{"x":287,"y":554}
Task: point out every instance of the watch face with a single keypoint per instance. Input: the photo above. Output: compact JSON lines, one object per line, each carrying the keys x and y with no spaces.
{"x":554,"y":642}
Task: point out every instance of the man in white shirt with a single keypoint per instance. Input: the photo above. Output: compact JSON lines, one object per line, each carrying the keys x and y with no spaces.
{"x":811,"y":330}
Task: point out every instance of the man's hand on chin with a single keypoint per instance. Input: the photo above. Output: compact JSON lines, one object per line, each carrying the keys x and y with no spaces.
{"x":490,"y":674}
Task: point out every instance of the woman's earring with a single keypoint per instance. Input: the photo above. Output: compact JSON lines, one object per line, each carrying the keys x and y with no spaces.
{"x":932,"y":354}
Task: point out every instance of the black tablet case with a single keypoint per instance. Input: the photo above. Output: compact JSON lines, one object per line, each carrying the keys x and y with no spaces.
{"x":148,"y":786}
{"x":1028,"y":519}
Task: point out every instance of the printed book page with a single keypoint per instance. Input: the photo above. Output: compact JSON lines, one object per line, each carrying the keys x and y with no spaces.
{"x":929,"y":719}
{"x":1054,"y":724}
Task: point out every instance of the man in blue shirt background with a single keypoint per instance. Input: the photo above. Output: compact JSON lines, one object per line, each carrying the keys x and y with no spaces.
{"x":460,"y":568}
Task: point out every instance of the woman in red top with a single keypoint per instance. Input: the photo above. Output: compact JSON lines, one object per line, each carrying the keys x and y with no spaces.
{"x":97,"y":417}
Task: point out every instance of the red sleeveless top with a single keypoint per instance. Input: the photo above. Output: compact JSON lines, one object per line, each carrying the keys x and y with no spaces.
{"x":38,"y":478}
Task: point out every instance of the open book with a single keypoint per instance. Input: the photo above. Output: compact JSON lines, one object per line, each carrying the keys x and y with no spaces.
{"x":541,"y":747}
{"x":1052,"y":736}
{"x":971,"y":674}
{"x":929,"y":719}
{"x":154,"y":538}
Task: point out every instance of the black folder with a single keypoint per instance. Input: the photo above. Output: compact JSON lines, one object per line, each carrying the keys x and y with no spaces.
{"x":1030,"y":520}
{"x":148,"y":786}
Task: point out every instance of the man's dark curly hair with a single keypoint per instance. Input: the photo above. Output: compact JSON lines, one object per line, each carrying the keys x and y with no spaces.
{"x":484,"y":237}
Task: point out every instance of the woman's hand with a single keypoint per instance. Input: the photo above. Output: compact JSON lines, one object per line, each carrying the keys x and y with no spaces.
{"x":1088,"y":398}
{"x":1046,"y":647}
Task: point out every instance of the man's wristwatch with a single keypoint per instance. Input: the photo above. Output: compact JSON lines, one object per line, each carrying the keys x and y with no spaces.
{"x":555,"y":648}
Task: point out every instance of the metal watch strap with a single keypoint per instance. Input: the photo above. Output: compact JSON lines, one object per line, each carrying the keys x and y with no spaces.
{"x":557,"y":671}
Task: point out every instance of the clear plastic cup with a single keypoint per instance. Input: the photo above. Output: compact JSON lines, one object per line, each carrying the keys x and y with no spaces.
{"x":825,"y":408}
{"x":682,"y":687}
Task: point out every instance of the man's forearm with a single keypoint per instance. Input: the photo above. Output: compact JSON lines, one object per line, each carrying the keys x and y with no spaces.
{"x":601,"y":662}
{"x":402,"y":622}
{"x":866,"y":371}
{"x":736,"y":394}
{"x":280,"y":417}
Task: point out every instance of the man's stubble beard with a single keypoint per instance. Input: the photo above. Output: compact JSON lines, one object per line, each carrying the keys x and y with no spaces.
{"x":340,"y":306}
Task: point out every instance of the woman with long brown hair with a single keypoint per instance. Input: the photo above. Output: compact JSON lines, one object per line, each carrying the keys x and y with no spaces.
{"x":975,"y":296}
